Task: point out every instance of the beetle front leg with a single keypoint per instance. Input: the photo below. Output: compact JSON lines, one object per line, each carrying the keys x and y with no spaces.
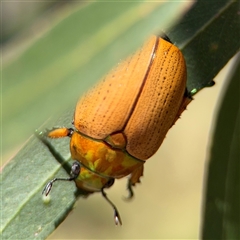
{"x":55,"y":133}
{"x":60,"y":132}
{"x":134,"y":178}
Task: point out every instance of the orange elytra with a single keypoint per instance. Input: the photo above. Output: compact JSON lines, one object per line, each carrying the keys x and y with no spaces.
{"x":123,"y":120}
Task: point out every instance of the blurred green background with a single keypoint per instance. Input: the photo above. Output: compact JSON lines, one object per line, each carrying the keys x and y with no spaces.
{"x":168,"y":202}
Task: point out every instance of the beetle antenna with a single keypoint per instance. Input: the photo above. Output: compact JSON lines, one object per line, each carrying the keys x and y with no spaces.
{"x":117,"y":218}
{"x":75,"y":170}
{"x":49,"y":185}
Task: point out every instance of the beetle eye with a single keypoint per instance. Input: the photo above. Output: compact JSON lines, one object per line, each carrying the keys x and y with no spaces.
{"x":109,"y":183}
{"x":75,"y":170}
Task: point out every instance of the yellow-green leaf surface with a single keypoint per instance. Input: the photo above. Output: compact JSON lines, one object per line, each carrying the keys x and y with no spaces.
{"x":49,"y":76}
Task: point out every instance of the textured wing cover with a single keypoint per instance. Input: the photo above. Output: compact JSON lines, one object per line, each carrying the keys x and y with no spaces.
{"x":140,"y":98}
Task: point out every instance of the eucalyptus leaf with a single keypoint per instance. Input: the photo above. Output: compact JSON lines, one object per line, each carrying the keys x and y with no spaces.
{"x":222,"y":201}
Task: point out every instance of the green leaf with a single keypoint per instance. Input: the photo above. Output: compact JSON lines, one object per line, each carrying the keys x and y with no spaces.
{"x":222,"y":202}
{"x":209,"y":37}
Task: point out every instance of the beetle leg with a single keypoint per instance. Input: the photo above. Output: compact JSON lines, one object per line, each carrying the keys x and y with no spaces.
{"x":134,"y":178}
{"x":186,"y":100}
{"x":130,"y":190}
{"x":117,"y":218}
{"x":60,"y":132}
{"x":75,"y":170}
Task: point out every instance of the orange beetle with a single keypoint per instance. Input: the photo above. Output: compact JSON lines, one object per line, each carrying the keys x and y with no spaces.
{"x":122,"y":121}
